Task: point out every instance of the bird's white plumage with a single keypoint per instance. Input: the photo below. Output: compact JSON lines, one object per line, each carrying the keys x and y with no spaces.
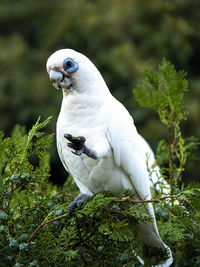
{"x":88,"y":109}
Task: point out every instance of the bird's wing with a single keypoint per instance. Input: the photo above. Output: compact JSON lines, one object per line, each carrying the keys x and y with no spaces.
{"x":128,"y":148}
{"x":128,"y":151}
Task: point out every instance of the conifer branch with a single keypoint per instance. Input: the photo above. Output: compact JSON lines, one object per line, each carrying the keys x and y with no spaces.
{"x":43,"y":224}
{"x":128,"y":199}
{"x":125,"y":199}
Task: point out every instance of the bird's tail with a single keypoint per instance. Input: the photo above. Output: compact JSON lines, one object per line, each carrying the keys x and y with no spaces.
{"x":148,"y":233}
{"x":169,"y":261}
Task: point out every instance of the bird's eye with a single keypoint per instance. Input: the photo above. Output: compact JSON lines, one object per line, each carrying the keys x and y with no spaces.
{"x":70,"y":66}
{"x":68,"y":63}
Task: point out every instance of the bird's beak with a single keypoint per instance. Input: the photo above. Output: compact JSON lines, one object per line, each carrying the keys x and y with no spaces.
{"x":55,"y":76}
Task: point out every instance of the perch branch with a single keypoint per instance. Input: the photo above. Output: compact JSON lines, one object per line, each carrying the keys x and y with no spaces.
{"x":125,"y":199}
{"x":43,"y":224}
{"x":128,"y":199}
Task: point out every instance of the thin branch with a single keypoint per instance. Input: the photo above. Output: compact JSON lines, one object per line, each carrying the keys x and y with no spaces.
{"x":43,"y":224}
{"x":127,"y":199}
{"x":49,"y":221}
{"x":171,"y":143}
{"x":69,"y":195}
{"x":3,"y":209}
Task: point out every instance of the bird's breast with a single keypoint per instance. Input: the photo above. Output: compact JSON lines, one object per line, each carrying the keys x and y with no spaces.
{"x":97,"y":175}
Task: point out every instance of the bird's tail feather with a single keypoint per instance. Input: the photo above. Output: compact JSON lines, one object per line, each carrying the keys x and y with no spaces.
{"x":148,"y":233}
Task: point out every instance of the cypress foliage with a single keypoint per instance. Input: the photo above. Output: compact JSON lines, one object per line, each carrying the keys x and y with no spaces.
{"x":36,"y":228}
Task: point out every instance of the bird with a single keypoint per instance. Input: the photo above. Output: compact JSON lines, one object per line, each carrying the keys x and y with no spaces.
{"x":97,"y":141}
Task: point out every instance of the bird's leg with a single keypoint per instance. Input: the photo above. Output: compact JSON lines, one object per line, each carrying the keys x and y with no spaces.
{"x":78,"y":201}
{"x":78,"y":144}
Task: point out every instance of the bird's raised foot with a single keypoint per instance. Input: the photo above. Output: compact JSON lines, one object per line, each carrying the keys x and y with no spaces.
{"x":78,"y":201}
{"x":78,"y":144}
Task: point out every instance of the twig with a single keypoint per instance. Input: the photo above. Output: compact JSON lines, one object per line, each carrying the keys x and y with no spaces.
{"x":43,"y":224}
{"x":69,"y":195}
{"x":171,"y":143}
{"x":127,"y":199}
{"x":3,"y":209}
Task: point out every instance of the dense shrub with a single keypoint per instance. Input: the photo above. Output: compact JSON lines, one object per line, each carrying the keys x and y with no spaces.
{"x":36,"y":228}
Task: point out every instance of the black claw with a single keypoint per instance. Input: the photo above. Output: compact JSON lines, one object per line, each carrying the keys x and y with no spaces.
{"x":80,"y":139}
{"x":68,"y":137}
{"x":78,"y":144}
{"x":71,"y":145}
{"x":74,"y":139}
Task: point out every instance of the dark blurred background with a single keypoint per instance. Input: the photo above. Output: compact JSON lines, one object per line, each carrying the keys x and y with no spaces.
{"x":122,"y":37}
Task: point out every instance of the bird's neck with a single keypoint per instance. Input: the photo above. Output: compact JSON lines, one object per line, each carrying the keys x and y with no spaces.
{"x":79,"y":110}
{"x":81,"y":104}
{"x":85,"y":98}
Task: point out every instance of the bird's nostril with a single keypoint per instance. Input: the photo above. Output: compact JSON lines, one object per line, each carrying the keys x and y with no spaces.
{"x":55,"y":76}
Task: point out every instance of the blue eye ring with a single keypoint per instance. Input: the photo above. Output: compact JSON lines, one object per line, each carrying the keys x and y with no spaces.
{"x":70,"y":66}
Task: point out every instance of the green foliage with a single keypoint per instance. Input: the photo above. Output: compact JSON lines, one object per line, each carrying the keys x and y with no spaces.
{"x":181,"y":230}
{"x":37,"y":230}
{"x":35,"y":227}
{"x":121,"y":38}
{"x":164,"y":93}
{"x":178,"y":221}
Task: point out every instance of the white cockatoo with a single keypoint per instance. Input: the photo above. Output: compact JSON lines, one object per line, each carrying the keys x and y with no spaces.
{"x":97,"y":140}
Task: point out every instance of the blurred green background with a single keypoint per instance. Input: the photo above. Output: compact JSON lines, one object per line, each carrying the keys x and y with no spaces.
{"x":121,"y":37}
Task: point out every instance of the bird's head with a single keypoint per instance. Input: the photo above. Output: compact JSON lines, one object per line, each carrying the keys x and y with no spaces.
{"x":70,"y":70}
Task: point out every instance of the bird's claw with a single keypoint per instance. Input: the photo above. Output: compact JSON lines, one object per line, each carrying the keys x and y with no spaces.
{"x":75,"y":139}
{"x":78,"y":201}
{"x":78,"y":144}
